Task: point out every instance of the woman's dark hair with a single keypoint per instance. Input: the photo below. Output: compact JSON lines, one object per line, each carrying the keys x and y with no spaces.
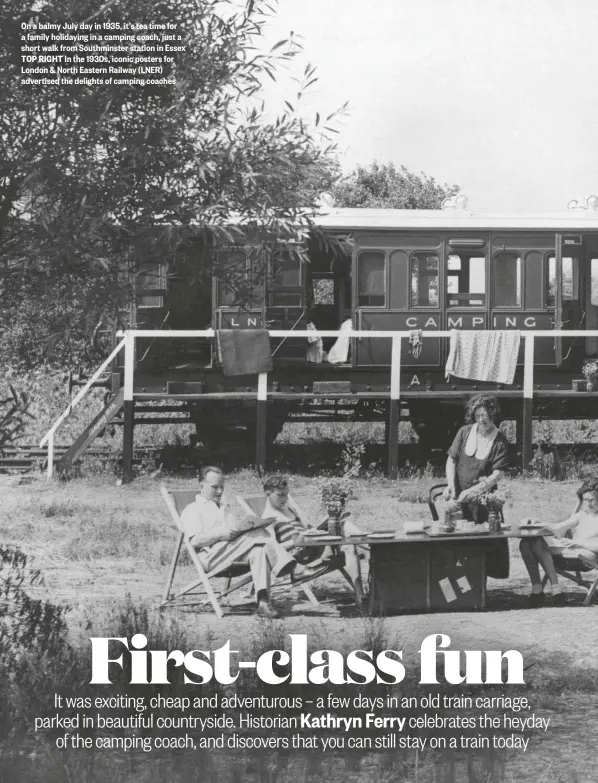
{"x":273,"y":483}
{"x":490,"y":405}
{"x":589,"y":485}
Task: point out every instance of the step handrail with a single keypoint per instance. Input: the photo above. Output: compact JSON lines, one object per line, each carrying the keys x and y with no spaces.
{"x":49,"y":436}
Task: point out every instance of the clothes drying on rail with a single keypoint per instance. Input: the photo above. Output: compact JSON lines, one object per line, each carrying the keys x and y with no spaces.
{"x":244,"y":351}
{"x":483,"y":356}
{"x":315,"y":346}
{"x":339,"y":353}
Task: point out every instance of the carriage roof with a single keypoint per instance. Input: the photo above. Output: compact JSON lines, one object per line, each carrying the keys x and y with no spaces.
{"x":576,"y":220}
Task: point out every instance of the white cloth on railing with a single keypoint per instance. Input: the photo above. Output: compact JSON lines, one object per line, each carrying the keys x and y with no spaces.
{"x":339,"y":353}
{"x":483,"y":356}
{"x":315,"y":347}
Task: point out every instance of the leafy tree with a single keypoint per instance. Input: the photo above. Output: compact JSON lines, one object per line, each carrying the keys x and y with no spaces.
{"x":94,"y":178}
{"x":14,"y":410}
{"x":383,"y":185}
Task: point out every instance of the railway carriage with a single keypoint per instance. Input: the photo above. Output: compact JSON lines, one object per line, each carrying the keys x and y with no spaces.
{"x":401,"y":270}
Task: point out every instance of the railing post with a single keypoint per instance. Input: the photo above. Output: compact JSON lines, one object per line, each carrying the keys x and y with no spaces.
{"x":393,"y":408}
{"x":261,"y":423}
{"x":129,"y":407}
{"x":50,"y":468}
{"x":528,"y":393}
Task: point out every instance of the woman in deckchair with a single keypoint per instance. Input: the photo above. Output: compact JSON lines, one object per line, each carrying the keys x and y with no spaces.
{"x":583,"y":527}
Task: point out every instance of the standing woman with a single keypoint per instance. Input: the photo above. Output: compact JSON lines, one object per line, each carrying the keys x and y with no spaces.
{"x":476,"y":462}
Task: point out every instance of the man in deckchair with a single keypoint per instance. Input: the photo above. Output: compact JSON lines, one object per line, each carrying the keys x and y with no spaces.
{"x":221,"y":539}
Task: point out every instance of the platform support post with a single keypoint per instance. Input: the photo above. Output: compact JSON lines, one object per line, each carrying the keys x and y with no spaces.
{"x":394,"y":409}
{"x":528,"y":393}
{"x":128,"y":407}
{"x":261,"y":424}
{"x":128,"y":429}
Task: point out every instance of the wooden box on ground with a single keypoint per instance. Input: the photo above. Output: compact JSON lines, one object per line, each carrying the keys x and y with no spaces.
{"x":428,"y":576}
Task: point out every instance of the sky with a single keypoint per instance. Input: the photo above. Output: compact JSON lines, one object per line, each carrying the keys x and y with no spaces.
{"x":496,"y":96}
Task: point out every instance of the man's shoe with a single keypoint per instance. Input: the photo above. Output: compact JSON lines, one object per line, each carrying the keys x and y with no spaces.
{"x":301,"y":573}
{"x":331,"y":561}
{"x":535,"y":599}
{"x":265,"y":609}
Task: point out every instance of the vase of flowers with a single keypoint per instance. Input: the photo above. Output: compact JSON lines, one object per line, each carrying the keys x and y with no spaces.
{"x":334,"y":500}
{"x":494,"y":503}
{"x":590,"y":373}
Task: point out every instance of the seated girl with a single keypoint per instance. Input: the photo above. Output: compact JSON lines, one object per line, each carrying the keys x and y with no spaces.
{"x":583,"y":527}
{"x":291,"y":521}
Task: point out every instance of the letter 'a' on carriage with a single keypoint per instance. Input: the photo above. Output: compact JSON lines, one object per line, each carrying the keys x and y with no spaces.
{"x":426,"y":274}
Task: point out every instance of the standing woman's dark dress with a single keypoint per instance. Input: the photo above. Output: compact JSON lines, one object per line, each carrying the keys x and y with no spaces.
{"x":468,"y":470}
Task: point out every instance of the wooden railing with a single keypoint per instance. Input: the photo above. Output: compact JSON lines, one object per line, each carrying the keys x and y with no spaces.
{"x":49,"y":436}
{"x":261,"y":395}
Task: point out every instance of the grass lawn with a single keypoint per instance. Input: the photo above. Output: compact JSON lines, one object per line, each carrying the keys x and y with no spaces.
{"x":101,"y":547}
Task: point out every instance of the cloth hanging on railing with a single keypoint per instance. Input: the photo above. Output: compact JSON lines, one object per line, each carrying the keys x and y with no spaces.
{"x":483,"y":356}
{"x":315,"y":346}
{"x":339,"y":353}
{"x":416,"y":342}
{"x":244,"y":351}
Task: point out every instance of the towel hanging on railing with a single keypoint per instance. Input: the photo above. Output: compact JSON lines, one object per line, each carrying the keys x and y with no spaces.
{"x":416,"y":342}
{"x":244,"y":351}
{"x":483,"y":356}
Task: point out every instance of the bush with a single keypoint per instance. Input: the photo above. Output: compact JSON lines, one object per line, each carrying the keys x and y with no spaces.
{"x":25,"y":623}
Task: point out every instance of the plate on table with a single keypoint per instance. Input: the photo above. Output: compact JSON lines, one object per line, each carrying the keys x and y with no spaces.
{"x":313,"y":532}
{"x":326,"y":538}
{"x":455,"y":533}
{"x":383,"y":535}
{"x":531,"y":529}
{"x":473,"y":532}
{"x":413,"y":528}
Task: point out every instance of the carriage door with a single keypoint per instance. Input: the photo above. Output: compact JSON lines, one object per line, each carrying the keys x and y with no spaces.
{"x":564,"y":293}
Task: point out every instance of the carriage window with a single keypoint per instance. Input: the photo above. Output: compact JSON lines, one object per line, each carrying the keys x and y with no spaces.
{"x":507,"y":280}
{"x":151,"y":286}
{"x":594,"y":282}
{"x":232,"y":277}
{"x":466,"y":280}
{"x":424,"y":280}
{"x":323,"y":291}
{"x":570,"y":280}
{"x":286,"y":282}
{"x":371,"y":279}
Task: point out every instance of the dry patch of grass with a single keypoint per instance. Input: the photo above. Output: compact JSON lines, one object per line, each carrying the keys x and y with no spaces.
{"x":96,"y":543}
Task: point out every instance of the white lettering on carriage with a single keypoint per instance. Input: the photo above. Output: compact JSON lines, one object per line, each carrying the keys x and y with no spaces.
{"x":455,"y":323}
{"x":252,"y":322}
{"x":233,"y":322}
{"x":510,"y":321}
{"x":411,"y":322}
{"x":431,"y":322}
{"x":414,"y":381}
{"x":477,"y":322}
{"x":530,"y":322}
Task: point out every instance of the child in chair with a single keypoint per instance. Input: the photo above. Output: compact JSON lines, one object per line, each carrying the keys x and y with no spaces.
{"x":583,"y":526}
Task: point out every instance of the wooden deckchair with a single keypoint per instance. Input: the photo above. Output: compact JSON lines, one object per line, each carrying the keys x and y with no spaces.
{"x":176,"y":502}
{"x":573,"y":567}
{"x":256,"y":505}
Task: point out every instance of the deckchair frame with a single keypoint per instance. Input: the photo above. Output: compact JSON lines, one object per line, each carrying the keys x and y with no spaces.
{"x":238,"y":571}
{"x":191,"y":588}
{"x":572,"y":568}
{"x":246,"y":505}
